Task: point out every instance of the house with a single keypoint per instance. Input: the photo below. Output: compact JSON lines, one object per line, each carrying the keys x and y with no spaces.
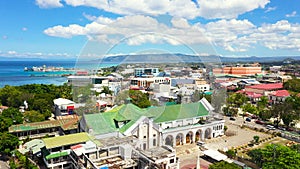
{"x":57,"y":151}
{"x":144,"y":83}
{"x":63,"y":107}
{"x":278,"y":96}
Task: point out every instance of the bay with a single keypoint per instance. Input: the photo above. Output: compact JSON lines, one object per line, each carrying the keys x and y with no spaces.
{"x":12,"y":72}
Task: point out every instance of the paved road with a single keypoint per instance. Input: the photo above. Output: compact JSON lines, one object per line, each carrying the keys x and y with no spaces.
{"x":188,"y":156}
{"x":3,"y":165}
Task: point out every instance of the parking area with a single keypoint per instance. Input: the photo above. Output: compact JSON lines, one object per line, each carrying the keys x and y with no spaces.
{"x":239,"y":136}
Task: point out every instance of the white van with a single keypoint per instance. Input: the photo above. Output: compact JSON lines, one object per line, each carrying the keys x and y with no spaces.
{"x":200,"y":143}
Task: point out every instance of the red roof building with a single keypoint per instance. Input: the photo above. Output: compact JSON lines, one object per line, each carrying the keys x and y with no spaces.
{"x":278,"y":96}
{"x":264,"y":89}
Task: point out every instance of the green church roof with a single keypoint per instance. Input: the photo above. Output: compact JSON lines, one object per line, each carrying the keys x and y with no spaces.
{"x":127,"y":115}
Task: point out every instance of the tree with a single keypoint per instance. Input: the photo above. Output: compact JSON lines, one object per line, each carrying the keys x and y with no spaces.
{"x":265,"y":114}
{"x":82,"y":94}
{"x":256,"y":156}
{"x":5,"y":123}
{"x":105,"y":89}
{"x":42,"y":105}
{"x":218,"y":99}
{"x":8,"y":142}
{"x":262,"y":103}
{"x":33,"y":116}
{"x":250,"y":108}
{"x":275,"y":156}
{"x":256,"y":139}
{"x":225,"y":128}
{"x":293,"y":85}
{"x":14,"y":114}
{"x":231,"y":153}
{"x":237,"y":99}
{"x":139,"y":99}
{"x":224,"y":165}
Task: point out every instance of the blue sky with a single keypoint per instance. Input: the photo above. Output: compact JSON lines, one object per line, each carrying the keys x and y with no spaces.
{"x":92,"y":28}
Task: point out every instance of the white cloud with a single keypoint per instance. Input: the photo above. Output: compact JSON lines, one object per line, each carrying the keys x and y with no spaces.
{"x":89,"y":17}
{"x":11,"y":52}
{"x":228,"y":9}
{"x":180,"y":23}
{"x":49,"y":3}
{"x":15,"y":54}
{"x":178,"y":8}
{"x":4,"y":37}
{"x":65,"y":32}
{"x":232,"y":35}
{"x":269,"y":9}
{"x":24,"y":29}
{"x":293,"y":14}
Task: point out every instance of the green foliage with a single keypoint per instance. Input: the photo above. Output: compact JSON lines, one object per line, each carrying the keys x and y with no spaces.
{"x":265,"y":114}
{"x":292,"y":85}
{"x":256,"y":156}
{"x":9,"y":117}
{"x":21,"y":161}
{"x":139,"y":99}
{"x":262,"y":103}
{"x":8,"y":142}
{"x":237,"y":100}
{"x":276,"y":156}
{"x":33,"y":116}
{"x":218,"y":99}
{"x":82,"y":93}
{"x":250,"y":108}
{"x":256,"y":139}
{"x":225,"y":128}
{"x":231,"y":153}
{"x":106,"y":90}
{"x":230,"y":111}
{"x":38,"y":96}
{"x":224,"y":165}
{"x":206,"y":96}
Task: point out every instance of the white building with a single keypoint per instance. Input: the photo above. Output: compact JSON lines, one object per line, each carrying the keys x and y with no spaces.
{"x":168,"y":125}
{"x":63,"y":107}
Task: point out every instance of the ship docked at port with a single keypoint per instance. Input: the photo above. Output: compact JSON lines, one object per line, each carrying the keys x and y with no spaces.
{"x":45,"y":68}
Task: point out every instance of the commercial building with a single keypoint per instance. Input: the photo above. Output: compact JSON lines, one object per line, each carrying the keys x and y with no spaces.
{"x":61,"y":126}
{"x":252,"y":69}
{"x":145,"y":72}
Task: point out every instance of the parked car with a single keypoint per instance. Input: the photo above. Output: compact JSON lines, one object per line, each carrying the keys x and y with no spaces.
{"x":254,"y":117}
{"x":248,"y":119}
{"x":200,"y":143}
{"x":259,"y":122}
{"x":270,"y":127}
{"x":232,"y":118}
{"x":281,"y":128}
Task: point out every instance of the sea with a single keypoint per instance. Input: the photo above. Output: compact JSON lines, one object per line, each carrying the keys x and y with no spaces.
{"x":12,"y":72}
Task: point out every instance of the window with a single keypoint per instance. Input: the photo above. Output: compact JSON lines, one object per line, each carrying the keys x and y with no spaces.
{"x":172,"y":160}
{"x":145,"y":136}
{"x":144,"y":146}
{"x":154,"y":142}
{"x":154,"y":135}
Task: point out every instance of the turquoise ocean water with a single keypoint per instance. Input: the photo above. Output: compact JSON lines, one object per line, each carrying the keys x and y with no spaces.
{"x":12,"y":72}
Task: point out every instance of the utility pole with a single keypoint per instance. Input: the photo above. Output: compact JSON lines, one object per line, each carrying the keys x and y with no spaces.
{"x":198,"y":161}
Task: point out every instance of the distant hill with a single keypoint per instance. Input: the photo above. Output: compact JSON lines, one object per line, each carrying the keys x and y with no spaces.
{"x":167,"y":58}
{"x":175,"y":58}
